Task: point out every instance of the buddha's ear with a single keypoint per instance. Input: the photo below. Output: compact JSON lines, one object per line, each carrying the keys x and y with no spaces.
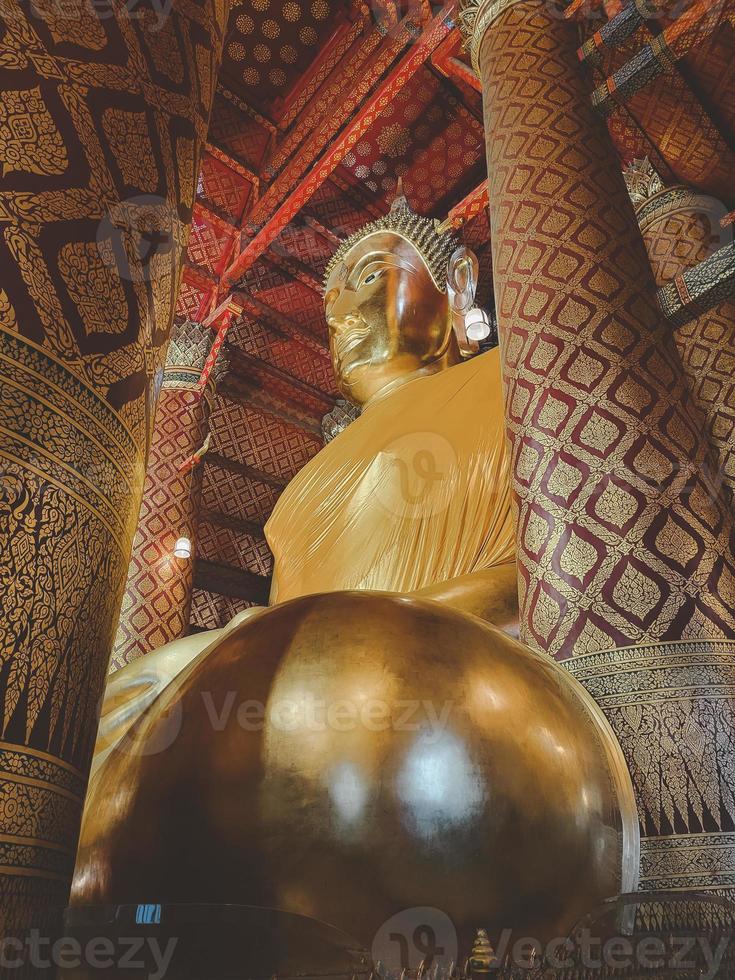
{"x":462,"y":272}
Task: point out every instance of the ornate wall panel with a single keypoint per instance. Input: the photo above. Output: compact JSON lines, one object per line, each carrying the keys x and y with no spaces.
{"x":236,"y":495}
{"x":260,"y":440}
{"x":672,"y":707}
{"x":622,"y":538}
{"x":211,"y":611}
{"x":101,"y":125}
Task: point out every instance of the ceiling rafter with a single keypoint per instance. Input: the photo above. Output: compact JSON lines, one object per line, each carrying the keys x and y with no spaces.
{"x":281,"y":324}
{"x":233,"y":523}
{"x":382,"y":96}
{"x":237,"y":583}
{"x":252,"y":367}
{"x":251,"y":472}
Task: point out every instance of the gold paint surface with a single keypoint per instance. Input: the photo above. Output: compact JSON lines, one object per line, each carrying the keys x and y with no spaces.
{"x":417,"y":490}
{"x":387,"y":317}
{"x":448,"y":766}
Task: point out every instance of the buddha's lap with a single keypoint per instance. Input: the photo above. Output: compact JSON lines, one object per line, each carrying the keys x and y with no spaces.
{"x":348,"y":724}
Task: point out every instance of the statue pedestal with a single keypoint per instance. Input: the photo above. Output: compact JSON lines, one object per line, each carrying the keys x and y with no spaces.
{"x":672,"y":707}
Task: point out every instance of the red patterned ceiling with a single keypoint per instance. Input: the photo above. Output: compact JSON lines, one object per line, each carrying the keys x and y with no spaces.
{"x":272,"y":43}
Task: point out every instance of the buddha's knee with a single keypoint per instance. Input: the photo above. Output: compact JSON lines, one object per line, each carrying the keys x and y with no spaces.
{"x":342,"y":753}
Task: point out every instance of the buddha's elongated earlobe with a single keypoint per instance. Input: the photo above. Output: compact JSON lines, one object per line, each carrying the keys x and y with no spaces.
{"x":462,"y":273}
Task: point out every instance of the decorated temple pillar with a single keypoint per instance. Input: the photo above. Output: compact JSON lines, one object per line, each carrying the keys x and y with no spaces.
{"x":624,"y":531}
{"x":681,"y":228}
{"x":624,"y":535}
{"x":157,"y":600}
{"x":103,"y":114}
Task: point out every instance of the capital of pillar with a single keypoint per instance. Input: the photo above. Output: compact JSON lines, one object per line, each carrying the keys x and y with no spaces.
{"x":186,"y":360}
{"x":475,"y":17}
{"x":681,"y":228}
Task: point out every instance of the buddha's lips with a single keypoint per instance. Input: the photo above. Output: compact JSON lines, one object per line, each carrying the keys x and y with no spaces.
{"x":350,"y":337}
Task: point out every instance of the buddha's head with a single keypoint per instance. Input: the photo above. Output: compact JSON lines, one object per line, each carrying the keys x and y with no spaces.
{"x":387,"y":305}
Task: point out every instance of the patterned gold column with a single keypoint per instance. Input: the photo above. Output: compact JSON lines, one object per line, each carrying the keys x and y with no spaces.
{"x":103,"y":113}
{"x":622,"y":535}
{"x":157,"y":600}
{"x":681,"y":228}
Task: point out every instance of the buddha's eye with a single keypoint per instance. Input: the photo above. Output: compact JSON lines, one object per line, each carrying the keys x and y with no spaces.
{"x":371,"y":277}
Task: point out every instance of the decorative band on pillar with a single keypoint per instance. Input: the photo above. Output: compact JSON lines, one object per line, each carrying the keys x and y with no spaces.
{"x":615,"y":32}
{"x":475,"y":16}
{"x":672,"y":707}
{"x":188,"y":350}
{"x":700,"y":288}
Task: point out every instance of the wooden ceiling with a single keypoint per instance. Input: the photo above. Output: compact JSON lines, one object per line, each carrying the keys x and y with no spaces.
{"x":321,"y":106}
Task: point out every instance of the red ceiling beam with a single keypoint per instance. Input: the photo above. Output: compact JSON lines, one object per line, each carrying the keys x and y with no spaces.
{"x":383,"y":96}
{"x":467,"y":209}
{"x":342,"y":36}
{"x":446,"y":60}
{"x":703,"y":18}
{"x":328,"y":112}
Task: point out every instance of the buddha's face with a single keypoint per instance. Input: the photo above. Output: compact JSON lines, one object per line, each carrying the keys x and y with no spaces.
{"x":387,"y":318}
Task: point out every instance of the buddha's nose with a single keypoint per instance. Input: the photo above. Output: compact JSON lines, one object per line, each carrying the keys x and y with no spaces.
{"x":343,"y":321}
{"x":342,"y":315}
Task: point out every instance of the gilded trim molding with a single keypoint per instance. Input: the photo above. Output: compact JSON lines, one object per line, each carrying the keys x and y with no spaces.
{"x":671,"y":706}
{"x":476,"y":16}
{"x":671,"y":200}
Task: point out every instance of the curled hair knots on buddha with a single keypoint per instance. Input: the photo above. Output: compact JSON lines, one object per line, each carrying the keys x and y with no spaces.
{"x":434,"y":246}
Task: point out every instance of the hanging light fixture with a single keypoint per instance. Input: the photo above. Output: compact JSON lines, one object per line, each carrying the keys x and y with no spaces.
{"x":182,"y":548}
{"x":477,"y":324}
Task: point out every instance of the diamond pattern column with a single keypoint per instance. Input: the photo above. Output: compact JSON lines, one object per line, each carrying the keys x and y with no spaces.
{"x":103,"y":113}
{"x":157,"y":602}
{"x":623,"y":535}
{"x":681,"y":228}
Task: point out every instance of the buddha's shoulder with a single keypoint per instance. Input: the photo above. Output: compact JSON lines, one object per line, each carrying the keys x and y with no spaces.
{"x":454,"y":402}
{"x":475,"y":382}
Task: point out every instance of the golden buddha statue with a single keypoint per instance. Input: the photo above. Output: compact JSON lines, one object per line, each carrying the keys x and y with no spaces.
{"x":370,"y":742}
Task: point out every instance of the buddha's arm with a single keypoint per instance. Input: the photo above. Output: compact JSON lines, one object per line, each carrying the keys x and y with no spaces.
{"x":491,"y":594}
